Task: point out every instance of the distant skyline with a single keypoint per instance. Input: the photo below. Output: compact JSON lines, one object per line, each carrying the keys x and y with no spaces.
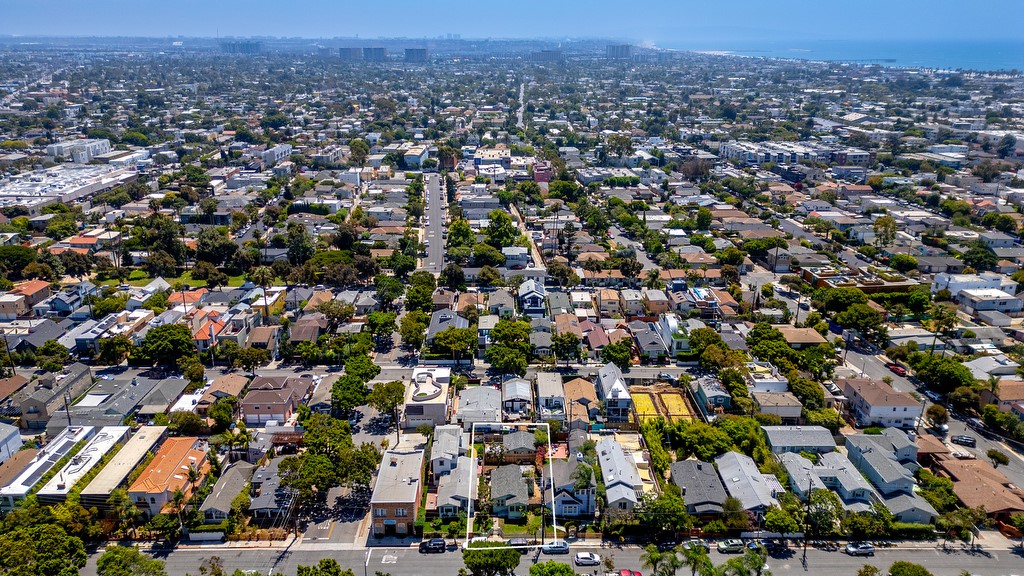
{"x":675,"y":23}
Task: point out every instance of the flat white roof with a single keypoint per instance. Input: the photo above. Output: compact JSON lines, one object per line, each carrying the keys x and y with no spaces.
{"x":86,"y":459}
{"x":45,"y":460}
{"x":120,"y":466}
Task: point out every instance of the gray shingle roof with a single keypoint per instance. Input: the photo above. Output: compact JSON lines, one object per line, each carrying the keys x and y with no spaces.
{"x":701,"y":487}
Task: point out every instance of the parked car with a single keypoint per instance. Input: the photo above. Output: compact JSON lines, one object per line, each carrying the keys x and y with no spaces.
{"x":555,"y":547}
{"x":625,"y":572}
{"x":731,"y":546}
{"x":860,"y":549}
{"x":519,"y":544}
{"x":587,"y":559}
{"x":693,"y":542}
{"x":964,"y":440}
{"x":897,"y":369}
{"x":434,"y":545}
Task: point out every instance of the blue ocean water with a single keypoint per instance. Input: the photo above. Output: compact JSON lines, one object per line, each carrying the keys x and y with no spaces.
{"x":980,"y":55}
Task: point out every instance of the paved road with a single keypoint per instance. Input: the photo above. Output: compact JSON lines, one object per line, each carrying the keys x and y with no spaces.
{"x":522,"y":106}
{"x":408,"y":562}
{"x":794,"y":228}
{"x":433,"y":234}
{"x":638,"y":247}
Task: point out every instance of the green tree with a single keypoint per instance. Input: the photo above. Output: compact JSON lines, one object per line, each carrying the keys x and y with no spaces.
{"x":630,"y":268}
{"x":222,"y":412}
{"x":362,"y":367}
{"x":780,"y":521}
{"x":41,"y":550}
{"x":326,"y":567}
{"x":903,"y":262}
{"x":501,"y":230}
{"x":251,"y":358}
{"x":733,"y":514}
{"x":301,"y":246}
{"x":666,"y":512}
{"x":885,"y":230}
{"x":566,"y":347}
{"x":864,"y":319}
{"x":697,"y":560}
{"x":507,"y":360}
{"x":824,"y":509}
{"x":52,"y":356}
{"x":412,"y":328}
{"x":348,"y":392}
{"x":381,"y":324}
{"x":167,"y":343}
{"x":452,"y":277}
{"x":387,"y":397}
{"x":482,"y":561}
{"x":551,"y":568}
{"x":979,"y":256}
{"x":186,"y":423}
{"x":619,"y":144}
{"x":388,"y":289}
{"x":128,"y":561}
{"x":904,"y":568}
{"x":359,"y":151}
{"x":263,"y":276}
{"x":419,"y":298}
{"x":489,"y":276}
{"x":455,"y":342}
{"x":619,"y":353}
{"x":460,"y":233}
{"x":937,"y":414}
{"x":703,"y":220}
{"x":998,"y":457}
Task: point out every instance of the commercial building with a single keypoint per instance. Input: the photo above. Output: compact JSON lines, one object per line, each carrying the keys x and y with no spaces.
{"x":106,"y":439}
{"x":394,"y":503}
{"x":115,"y":474}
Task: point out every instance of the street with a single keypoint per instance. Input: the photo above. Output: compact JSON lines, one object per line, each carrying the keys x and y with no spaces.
{"x":433,"y":233}
{"x":623,"y":242}
{"x":407,"y":561}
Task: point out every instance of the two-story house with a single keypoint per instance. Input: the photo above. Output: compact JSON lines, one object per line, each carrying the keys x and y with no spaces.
{"x":575,"y":488}
{"x":394,"y":503}
{"x":450,"y":443}
{"x":510,"y":493}
{"x":612,"y":389}
{"x":532,"y":298}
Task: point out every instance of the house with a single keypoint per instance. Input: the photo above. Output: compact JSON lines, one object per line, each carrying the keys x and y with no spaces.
{"x":442,"y":320}
{"x":10,"y":441}
{"x":516,"y":397}
{"x":24,"y":482}
{"x":797,"y":439}
{"x":33,"y":291}
{"x":631,"y":302}
{"x":783,"y":404}
{"x":501,"y":303}
{"x":509,"y":492}
{"x":47,"y":395}
{"x":396,"y":495}
{"x":656,"y":301}
{"x":519,"y":445}
{"x":997,"y":365}
{"x":712,"y":397}
{"x":118,"y":470}
{"x":478,"y":404}
{"x":1010,"y":392}
{"x":833,"y":472}
{"x":540,"y":343}
{"x":455,"y":491}
{"x":426,"y":398}
{"x":449,"y":445}
{"x":273,"y":399}
{"x":700,"y":487}
{"x":269,"y":500}
{"x":799,"y":338}
{"x":581,"y":403}
{"x":233,"y":480}
{"x":955,"y":283}
{"x":613,"y":391}
{"x":225,"y":386}
{"x":977,"y":484}
{"x":873,"y":402}
{"x":532,"y":298}
{"x":606,"y":300}
{"x":764,"y":377}
{"x":550,"y":396}
{"x":574,"y":487}
{"x":623,"y":486}
{"x":168,"y":473}
{"x":880,"y":461}
{"x":975,"y":301}
{"x":516,"y":257}
{"x":743,"y":481}
{"x":444,"y":299}
{"x":675,"y":334}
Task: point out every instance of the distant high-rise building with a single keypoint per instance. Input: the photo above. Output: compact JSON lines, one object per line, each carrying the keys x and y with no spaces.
{"x":546,"y":56}
{"x":416,"y":55}
{"x":350,"y":54}
{"x":242,"y":47}
{"x":375,"y":54}
{"x":619,"y":51}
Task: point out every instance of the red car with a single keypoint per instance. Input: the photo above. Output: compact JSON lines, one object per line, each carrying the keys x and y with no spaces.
{"x":625,"y":572}
{"x":897,"y":369}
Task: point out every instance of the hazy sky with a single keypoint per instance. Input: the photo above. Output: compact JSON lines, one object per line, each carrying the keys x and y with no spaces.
{"x":683,"y":23}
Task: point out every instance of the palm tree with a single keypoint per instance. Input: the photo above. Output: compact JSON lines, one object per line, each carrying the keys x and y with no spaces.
{"x":943,"y":320}
{"x":993,"y":385}
{"x":178,"y":499}
{"x":193,"y":477}
{"x":653,"y":279}
{"x":696,"y":557}
{"x":263,"y":277}
{"x":241,"y":440}
{"x":654,"y":559}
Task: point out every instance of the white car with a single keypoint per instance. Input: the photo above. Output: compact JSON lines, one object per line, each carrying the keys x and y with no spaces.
{"x":587,"y":559}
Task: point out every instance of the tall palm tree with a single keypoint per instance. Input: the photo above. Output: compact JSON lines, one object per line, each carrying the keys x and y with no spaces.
{"x":193,"y":476}
{"x":654,"y":559}
{"x":241,"y":440}
{"x":943,"y":320}
{"x":178,"y":499}
{"x":993,"y":384}
{"x":263,"y":277}
{"x":696,"y":557}
{"x":653,"y":279}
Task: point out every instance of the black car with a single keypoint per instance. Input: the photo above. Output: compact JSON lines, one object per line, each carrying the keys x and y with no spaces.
{"x":435,"y":545}
{"x":964,"y":440}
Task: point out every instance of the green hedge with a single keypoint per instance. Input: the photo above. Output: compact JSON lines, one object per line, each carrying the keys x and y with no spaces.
{"x":905,"y":531}
{"x":221,"y":527}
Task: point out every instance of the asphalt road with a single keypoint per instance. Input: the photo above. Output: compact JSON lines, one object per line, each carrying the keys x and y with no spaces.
{"x":433,"y":234}
{"x":620,"y":240}
{"x":794,"y":228}
{"x":408,"y":562}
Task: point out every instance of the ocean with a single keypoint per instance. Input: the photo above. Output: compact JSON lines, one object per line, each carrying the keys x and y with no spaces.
{"x":977,"y":55}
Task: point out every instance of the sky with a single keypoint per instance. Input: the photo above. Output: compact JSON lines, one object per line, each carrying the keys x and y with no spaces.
{"x":672,"y":23}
